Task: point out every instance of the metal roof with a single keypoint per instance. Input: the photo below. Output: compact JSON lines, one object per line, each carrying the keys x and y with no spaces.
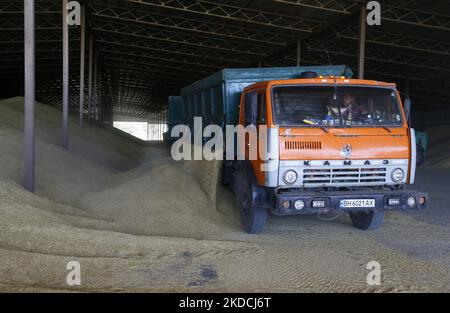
{"x":150,"y":49}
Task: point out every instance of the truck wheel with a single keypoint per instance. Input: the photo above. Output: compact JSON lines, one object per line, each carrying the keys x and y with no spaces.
{"x":253,"y":217}
{"x":367,"y":221}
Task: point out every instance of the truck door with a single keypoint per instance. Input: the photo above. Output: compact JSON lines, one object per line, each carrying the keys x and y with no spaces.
{"x":256,"y":116}
{"x":261,"y":122}
{"x":250,"y":120}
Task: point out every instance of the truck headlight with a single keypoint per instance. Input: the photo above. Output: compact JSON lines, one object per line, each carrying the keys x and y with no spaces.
{"x":411,"y":202}
{"x":398,"y":175}
{"x":290,"y":177}
{"x":299,"y":205}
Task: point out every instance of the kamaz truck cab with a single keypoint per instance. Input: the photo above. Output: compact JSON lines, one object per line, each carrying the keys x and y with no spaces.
{"x":337,"y":144}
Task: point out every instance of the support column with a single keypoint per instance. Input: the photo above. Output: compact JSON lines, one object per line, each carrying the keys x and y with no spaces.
{"x":82,"y":61}
{"x":91,"y":55}
{"x":65,"y":76}
{"x":362,"y":41}
{"x":95,"y":88}
{"x":29,"y":33}
{"x":299,"y":52}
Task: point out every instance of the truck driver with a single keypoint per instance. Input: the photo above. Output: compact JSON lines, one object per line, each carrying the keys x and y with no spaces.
{"x":350,"y":110}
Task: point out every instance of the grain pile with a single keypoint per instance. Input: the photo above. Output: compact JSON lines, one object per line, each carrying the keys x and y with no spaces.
{"x":138,"y":221}
{"x":439,"y":148}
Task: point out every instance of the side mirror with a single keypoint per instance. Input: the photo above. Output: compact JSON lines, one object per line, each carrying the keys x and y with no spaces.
{"x":408,"y":108}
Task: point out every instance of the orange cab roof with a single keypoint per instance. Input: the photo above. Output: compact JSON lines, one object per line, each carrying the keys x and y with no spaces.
{"x":320,"y":81}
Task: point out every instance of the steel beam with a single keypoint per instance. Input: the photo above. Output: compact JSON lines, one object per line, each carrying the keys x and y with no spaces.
{"x":29,"y":32}
{"x":242,"y":48}
{"x":82,"y":61}
{"x":65,"y":126}
{"x":95,"y":86}
{"x":390,"y":13}
{"x":390,"y":39}
{"x":174,"y":58}
{"x":156,"y":68}
{"x":157,"y":61}
{"x":174,"y":50}
{"x":421,"y":18}
{"x":175,"y":23}
{"x":362,"y":41}
{"x":16,"y":8}
{"x":382,"y":56}
{"x":311,"y":56}
{"x":91,"y":55}
{"x":233,"y":13}
{"x":299,"y":52}
{"x":333,"y":6}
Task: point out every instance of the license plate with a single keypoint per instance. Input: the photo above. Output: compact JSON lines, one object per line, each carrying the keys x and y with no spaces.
{"x":358,"y":203}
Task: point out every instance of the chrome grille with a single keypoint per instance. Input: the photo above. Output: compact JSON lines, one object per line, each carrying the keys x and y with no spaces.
{"x":344,"y":176}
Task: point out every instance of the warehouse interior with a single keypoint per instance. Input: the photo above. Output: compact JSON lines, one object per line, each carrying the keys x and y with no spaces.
{"x":138,"y":221}
{"x":145,"y":51}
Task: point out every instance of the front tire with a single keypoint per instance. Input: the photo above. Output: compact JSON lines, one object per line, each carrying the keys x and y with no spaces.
{"x":254,"y":217}
{"x":368,"y":221}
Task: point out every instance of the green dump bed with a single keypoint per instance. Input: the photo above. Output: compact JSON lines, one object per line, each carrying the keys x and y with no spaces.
{"x":216,"y":98}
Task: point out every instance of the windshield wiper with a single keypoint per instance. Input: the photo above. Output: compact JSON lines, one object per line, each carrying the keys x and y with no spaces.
{"x":386,"y":128}
{"x":312,"y":124}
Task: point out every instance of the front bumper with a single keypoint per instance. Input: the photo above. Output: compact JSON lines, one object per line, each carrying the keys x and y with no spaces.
{"x":332,"y":201}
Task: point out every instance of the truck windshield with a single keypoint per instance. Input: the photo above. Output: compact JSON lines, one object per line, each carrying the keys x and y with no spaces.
{"x":336,"y":106}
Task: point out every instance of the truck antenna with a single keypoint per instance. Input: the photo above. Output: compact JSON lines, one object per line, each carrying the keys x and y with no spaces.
{"x":328,"y":55}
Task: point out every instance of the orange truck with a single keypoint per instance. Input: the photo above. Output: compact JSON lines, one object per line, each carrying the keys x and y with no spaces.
{"x":337,"y":144}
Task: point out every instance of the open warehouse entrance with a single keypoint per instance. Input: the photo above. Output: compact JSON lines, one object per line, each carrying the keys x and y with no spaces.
{"x":138,"y":220}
